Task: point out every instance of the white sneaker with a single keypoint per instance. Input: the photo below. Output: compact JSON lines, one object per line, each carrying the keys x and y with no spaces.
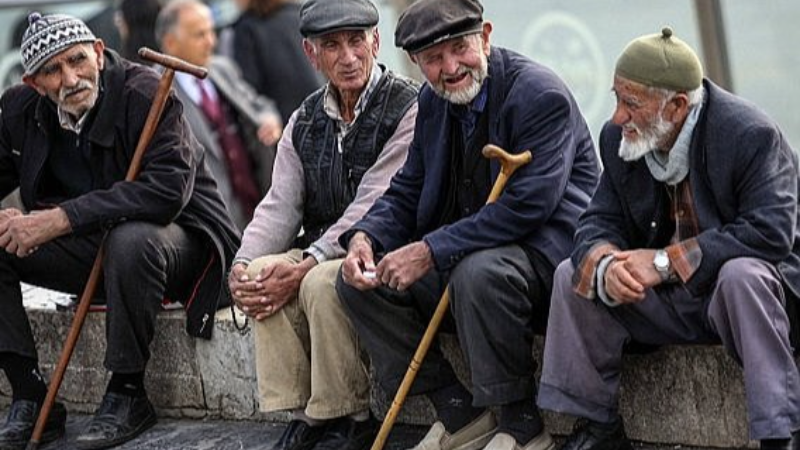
{"x":472,"y":436}
{"x":504,"y":441}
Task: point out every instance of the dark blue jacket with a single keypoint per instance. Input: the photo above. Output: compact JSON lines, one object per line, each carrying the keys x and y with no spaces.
{"x":529,"y":107}
{"x":744,"y":181}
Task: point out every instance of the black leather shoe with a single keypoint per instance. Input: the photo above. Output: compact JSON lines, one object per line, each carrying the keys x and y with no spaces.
{"x":793,"y":443}
{"x":21,"y":420}
{"x":119,"y":419}
{"x":299,"y":435}
{"x":590,"y":435}
{"x":347,"y":434}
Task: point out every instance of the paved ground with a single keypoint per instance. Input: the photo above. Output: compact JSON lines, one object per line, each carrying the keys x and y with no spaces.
{"x":215,"y":435}
{"x":230,"y":435}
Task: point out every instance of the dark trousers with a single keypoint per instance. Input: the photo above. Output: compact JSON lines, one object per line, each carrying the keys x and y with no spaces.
{"x":499,"y":299}
{"x":144,"y":263}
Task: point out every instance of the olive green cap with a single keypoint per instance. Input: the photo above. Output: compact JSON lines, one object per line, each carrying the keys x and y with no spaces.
{"x":661,"y":61}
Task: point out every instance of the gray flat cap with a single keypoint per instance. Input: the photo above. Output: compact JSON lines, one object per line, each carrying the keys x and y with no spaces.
{"x":428,"y":22}
{"x":318,"y":17}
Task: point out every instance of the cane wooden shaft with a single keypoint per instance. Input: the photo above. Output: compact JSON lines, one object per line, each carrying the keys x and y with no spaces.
{"x":171,"y":62}
{"x":508,"y":165}
{"x":150,"y":125}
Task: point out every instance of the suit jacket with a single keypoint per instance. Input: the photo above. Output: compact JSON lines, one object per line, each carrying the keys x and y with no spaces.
{"x":529,"y":107}
{"x":744,"y":181}
{"x":250,"y":109}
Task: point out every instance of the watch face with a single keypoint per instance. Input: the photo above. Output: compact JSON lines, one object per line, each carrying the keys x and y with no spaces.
{"x":661,"y":260}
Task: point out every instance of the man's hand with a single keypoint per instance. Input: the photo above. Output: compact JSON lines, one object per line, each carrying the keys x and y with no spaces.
{"x":630,"y":274}
{"x":358,"y":268}
{"x":246,"y":293}
{"x":21,"y":234}
{"x":270,"y":130}
{"x":404,"y":266}
{"x":281,"y":281}
{"x":265,"y":294}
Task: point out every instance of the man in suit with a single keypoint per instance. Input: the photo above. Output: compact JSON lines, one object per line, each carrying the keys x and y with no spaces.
{"x":237,"y":127}
{"x":690,"y":238}
{"x":432,"y":229}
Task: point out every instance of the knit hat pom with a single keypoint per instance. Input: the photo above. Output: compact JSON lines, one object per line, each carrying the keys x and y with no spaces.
{"x":33,"y":17}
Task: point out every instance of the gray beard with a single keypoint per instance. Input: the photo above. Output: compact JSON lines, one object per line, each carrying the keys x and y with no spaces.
{"x":648,"y":141}
{"x":466,"y":95}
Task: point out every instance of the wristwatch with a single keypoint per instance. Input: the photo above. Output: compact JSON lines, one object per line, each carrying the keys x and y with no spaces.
{"x":661,"y":263}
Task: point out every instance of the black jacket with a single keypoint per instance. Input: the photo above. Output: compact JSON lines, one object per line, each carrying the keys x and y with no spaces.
{"x":174,"y":184}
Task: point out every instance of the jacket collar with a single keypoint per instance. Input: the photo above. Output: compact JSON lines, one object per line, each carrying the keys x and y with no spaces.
{"x":113,"y":81}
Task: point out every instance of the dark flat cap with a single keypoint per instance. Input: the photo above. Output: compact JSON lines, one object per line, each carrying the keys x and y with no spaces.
{"x":429,"y":22}
{"x":319,"y":17}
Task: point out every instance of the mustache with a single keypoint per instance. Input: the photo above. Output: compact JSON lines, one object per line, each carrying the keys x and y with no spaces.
{"x":82,"y":85}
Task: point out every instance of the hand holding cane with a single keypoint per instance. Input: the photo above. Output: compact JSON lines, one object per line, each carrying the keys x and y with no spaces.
{"x":508,"y":165}
{"x":171,"y":64}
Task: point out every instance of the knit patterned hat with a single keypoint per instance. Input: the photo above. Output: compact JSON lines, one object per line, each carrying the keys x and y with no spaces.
{"x":662,"y":61}
{"x":48,"y":36}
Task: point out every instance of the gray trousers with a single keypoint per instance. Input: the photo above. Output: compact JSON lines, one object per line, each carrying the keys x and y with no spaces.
{"x":745,"y":312}
{"x":498,"y":299}
{"x":144,"y":263}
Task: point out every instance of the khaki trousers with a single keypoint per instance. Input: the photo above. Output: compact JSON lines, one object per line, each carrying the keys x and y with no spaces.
{"x":307,"y":354}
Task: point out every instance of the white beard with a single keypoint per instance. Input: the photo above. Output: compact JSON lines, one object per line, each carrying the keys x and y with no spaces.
{"x":648,"y":140}
{"x":466,"y":95}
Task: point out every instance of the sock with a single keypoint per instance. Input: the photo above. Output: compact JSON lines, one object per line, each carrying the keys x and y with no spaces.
{"x":299,"y":414}
{"x":453,"y":404}
{"x":130,"y":384}
{"x":23,"y":374}
{"x":360,"y":416}
{"x":521,"y":419}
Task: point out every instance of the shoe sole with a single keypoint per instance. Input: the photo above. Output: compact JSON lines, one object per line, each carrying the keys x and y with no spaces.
{"x":122,"y":439}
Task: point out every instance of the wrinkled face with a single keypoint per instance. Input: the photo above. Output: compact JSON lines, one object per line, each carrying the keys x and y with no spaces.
{"x":71,"y":78}
{"x":193,"y":37}
{"x":640,"y":113}
{"x":457,"y":67}
{"x":345,"y":57}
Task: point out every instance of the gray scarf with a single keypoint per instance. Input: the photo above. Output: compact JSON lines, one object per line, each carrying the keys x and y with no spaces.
{"x":673,"y":166}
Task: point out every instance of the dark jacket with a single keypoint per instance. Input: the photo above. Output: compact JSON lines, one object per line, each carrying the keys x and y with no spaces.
{"x":270,"y":53}
{"x":529,"y":107}
{"x":744,"y":181}
{"x":174,"y":184}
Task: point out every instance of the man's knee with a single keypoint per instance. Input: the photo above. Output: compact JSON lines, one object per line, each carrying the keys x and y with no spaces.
{"x":741,"y":274}
{"x":130,"y":241}
{"x":480,"y":269}
{"x":563,"y":275}
{"x":318,"y":288}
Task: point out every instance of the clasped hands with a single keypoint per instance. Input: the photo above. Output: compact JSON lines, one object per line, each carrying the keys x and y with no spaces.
{"x":398,"y":270}
{"x":630,"y":274}
{"x":270,"y":290}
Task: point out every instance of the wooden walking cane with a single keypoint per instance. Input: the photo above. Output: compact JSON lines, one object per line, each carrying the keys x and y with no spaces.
{"x":171,"y":64}
{"x":508,"y":165}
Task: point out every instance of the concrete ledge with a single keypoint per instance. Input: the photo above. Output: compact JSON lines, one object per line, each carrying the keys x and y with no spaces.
{"x":692,"y":396}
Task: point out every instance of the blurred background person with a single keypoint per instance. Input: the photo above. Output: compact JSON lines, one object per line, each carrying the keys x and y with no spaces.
{"x":136,"y":22}
{"x":265,"y":42}
{"x":237,"y":127}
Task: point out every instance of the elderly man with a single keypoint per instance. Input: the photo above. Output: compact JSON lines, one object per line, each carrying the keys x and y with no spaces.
{"x":691,"y":237}
{"x":66,"y":140}
{"x":234,"y":124}
{"x":337,"y":155}
{"x":433,"y":229}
